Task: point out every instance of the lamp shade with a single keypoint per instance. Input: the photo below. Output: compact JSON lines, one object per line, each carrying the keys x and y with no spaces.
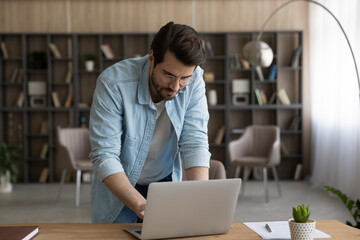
{"x":258,"y":53}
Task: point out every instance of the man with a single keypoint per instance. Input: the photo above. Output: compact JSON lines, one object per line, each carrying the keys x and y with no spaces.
{"x":145,"y":112}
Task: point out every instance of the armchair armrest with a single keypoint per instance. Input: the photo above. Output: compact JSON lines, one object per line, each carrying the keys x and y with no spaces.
{"x":240,"y":147}
{"x":274,"y":154}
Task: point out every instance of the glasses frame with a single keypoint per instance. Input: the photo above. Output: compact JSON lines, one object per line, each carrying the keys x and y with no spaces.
{"x":169,"y":78}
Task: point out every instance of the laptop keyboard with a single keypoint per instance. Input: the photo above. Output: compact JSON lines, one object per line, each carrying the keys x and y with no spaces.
{"x":139,"y":232}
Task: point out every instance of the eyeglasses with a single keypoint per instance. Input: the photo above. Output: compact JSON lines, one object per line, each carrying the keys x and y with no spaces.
{"x":183,"y":81}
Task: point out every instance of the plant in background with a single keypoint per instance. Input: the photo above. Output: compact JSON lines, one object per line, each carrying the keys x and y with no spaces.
{"x":301,"y":213}
{"x":89,"y":57}
{"x":351,"y":205}
{"x":9,"y":160}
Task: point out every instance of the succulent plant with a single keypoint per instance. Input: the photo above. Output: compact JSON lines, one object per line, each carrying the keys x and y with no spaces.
{"x":301,"y":213}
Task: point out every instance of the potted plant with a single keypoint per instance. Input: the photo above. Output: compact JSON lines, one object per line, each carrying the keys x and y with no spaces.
{"x":89,"y":61}
{"x":9,"y":160}
{"x":38,"y":60}
{"x":352,"y":205}
{"x":301,"y":227}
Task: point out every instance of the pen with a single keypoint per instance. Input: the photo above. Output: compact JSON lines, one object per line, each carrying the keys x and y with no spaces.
{"x":268,"y":227}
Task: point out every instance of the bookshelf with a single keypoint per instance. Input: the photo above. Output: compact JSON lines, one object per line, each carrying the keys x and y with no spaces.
{"x":238,"y":107}
{"x":32,"y":122}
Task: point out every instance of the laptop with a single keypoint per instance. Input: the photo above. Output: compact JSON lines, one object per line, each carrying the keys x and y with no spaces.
{"x":188,"y":208}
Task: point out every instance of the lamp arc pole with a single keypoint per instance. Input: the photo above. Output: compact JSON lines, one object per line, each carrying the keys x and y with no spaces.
{"x":326,"y":9}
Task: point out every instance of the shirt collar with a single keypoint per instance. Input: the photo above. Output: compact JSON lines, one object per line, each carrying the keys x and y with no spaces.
{"x":143,"y":87}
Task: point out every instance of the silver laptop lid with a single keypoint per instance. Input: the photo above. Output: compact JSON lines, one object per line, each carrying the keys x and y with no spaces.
{"x":190,"y":208}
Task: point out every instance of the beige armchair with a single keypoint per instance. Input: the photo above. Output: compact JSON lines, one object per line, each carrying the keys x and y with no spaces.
{"x":74,"y":143}
{"x":217,"y":170}
{"x":259,"y":146}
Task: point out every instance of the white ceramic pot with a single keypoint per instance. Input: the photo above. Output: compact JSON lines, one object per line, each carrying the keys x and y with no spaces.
{"x":5,"y":183}
{"x":302,"y":231}
{"x":212,"y":97}
{"x":89,"y":65}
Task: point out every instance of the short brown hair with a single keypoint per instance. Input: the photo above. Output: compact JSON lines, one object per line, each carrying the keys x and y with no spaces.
{"x":181,"y":40}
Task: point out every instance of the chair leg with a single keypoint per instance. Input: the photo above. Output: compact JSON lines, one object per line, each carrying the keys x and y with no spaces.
{"x":276,"y":176}
{"x":78,"y":182}
{"x":265,"y":184}
{"x":62,"y":181}
{"x":244,"y":180}
{"x":237,"y":171}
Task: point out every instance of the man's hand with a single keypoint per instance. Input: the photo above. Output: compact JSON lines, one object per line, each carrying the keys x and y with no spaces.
{"x":121,"y":187}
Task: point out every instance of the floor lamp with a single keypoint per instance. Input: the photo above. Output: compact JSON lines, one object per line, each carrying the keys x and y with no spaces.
{"x":259,"y":54}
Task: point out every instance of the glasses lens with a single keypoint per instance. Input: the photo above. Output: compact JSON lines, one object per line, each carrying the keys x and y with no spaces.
{"x":188,"y":81}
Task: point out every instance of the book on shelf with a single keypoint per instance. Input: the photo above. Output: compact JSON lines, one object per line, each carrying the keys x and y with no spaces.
{"x":272,"y":98}
{"x":272,"y":72}
{"x":18,"y":232}
{"x":44,"y":128}
{"x":244,"y":64}
{"x":220,"y":135}
{"x":283,"y":97}
{"x":83,"y":105}
{"x":4,"y":50}
{"x":248,"y":173}
{"x":295,"y":123}
{"x":209,"y":77}
{"x":20,"y":99}
{"x":298,"y":171}
{"x":238,"y":130}
{"x":235,"y":62}
{"x":44,"y":151}
{"x":296,"y":57}
{"x":14,"y":75}
{"x":56,"y":99}
{"x":54,"y":50}
{"x":259,"y":73}
{"x":44,"y":175}
{"x":263,"y":97}
{"x":20,"y":76}
{"x":69,"y":99}
{"x":258,"y":96}
{"x":108,"y":52}
{"x":69,"y":74}
{"x":209,"y":49}
{"x":283,"y":147}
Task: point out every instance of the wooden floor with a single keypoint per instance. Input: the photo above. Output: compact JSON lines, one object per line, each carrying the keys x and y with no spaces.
{"x":39,"y":203}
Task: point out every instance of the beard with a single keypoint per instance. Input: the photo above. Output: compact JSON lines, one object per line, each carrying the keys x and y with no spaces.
{"x":161,"y":92}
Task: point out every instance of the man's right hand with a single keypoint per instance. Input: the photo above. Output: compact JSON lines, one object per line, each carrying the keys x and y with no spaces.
{"x":121,"y":187}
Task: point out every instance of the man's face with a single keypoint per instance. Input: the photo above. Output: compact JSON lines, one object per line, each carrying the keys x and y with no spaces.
{"x":168,"y":77}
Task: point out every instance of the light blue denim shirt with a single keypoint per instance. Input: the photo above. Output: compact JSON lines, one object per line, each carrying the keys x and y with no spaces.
{"x":122,"y":121}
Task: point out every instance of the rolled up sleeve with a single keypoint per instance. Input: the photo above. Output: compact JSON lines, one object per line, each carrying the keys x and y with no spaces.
{"x":106,"y":129}
{"x":194,"y":145}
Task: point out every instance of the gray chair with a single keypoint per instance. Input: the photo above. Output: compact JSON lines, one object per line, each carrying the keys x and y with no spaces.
{"x":259,"y":146}
{"x":74,"y":143}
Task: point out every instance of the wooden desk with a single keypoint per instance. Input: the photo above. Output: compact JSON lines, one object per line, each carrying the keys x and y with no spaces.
{"x":60,"y":231}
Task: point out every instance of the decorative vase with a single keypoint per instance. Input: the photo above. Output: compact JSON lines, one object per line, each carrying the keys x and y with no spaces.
{"x":5,"y":183}
{"x":89,"y":65}
{"x":212,"y":97}
{"x":302,"y":231}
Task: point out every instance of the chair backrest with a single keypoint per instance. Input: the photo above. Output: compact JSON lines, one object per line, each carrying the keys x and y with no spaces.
{"x":262,"y":138}
{"x":76,"y":142}
{"x":217,"y":170}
